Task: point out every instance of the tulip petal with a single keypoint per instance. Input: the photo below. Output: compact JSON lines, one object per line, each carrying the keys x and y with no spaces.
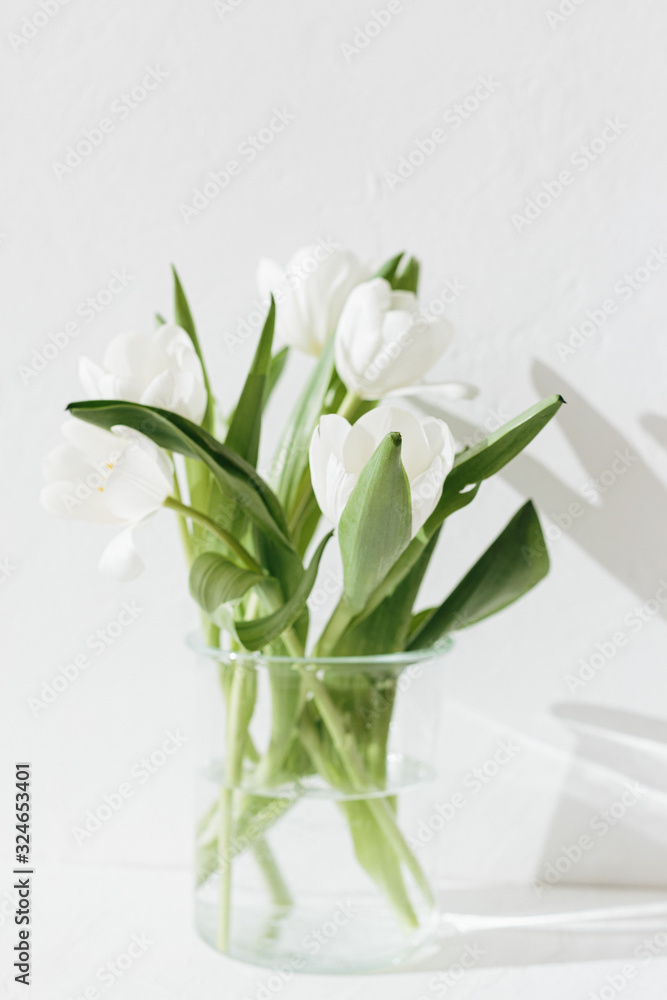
{"x":440,"y":440}
{"x":65,"y":462}
{"x":339,"y":453}
{"x":179,"y":391}
{"x":339,"y":486}
{"x":121,"y":559}
{"x":138,"y":484}
{"x":383,"y":342}
{"x":161,"y":391}
{"x":78,"y":501}
{"x":328,"y":441}
{"x":313,"y":289}
{"x":415,"y":453}
{"x":90,"y":376}
{"x":170,"y":337}
{"x":100,"y":447}
{"x":425,"y":491}
{"x":403,"y":301}
{"x":135,"y":356}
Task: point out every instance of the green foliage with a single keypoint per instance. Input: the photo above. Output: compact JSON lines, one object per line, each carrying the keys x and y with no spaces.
{"x":461,"y":487}
{"x":259,"y":632}
{"x":215,"y":580}
{"x":407,"y":280}
{"x":247,"y":547}
{"x":292,"y":453}
{"x":509,"y":568}
{"x":375,"y":526}
{"x":242,"y":488}
{"x":246,"y":424}
{"x":183,"y":318}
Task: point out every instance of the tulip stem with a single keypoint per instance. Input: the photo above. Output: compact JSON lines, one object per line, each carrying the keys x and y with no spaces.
{"x":196,"y":515}
{"x":349,"y":405}
{"x":186,"y":537}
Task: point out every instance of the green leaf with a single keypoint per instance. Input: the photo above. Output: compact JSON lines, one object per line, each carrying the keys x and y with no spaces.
{"x":182,"y":313}
{"x":342,"y":618}
{"x":461,"y":488}
{"x":389,"y":269}
{"x":375,"y":526}
{"x":286,"y":567}
{"x":160,"y":320}
{"x":309,"y":518}
{"x":510,"y":567}
{"x":386,"y":629}
{"x":496,"y":450}
{"x":245,"y":428}
{"x":462,"y":484}
{"x":244,"y":490}
{"x":378,"y":857}
{"x":275,"y":371}
{"x":215,"y":580}
{"x":408,"y":280}
{"x":260,"y":632}
{"x":183,"y":318}
{"x":292,"y":454}
{"x":418,"y":620}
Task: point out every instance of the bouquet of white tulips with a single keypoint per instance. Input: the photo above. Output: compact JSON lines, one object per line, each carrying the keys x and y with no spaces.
{"x":151,"y":435}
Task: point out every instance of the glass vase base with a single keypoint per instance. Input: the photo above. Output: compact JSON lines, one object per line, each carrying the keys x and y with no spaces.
{"x":351,"y":936}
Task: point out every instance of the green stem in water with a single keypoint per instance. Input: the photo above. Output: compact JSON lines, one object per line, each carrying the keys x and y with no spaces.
{"x":280,"y":893}
{"x":359,"y":810}
{"x":196,"y":515}
{"x":225,"y":866}
{"x":240,"y":705}
{"x":359,"y":779}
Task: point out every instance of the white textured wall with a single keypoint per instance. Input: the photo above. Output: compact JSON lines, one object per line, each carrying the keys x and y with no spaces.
{"x":554,"y":88}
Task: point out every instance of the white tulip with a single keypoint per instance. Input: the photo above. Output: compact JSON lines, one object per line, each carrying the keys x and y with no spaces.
{"x":310,"y":293}
{"x":339,"y":451}
{"x":159,"y":369}
{"x":108,"y":478}
{"x":384,"y":344}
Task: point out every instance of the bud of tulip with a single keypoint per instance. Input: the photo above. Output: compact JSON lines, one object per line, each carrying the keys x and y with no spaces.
{"x":310,"y":293}
{"x":383,"y":343}
{"x":339,"y":451}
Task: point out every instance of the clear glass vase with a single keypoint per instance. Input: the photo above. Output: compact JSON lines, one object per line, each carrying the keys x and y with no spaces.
{"x":314,"y":778}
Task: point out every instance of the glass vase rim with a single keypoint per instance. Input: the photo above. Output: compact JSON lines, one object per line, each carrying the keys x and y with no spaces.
{"x":195,"y":642}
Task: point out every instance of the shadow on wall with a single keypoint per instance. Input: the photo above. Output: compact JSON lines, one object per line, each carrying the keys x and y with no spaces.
{"x":623,"y":529}
{"x":609,"y":825}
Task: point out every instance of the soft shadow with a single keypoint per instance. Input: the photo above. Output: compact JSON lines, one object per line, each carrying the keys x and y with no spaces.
{"x":624,"y":531}
{"x":656,"y":426}
{"x":585,"y":916}
{"x":500,"y":926}
{"x":609,"y":825}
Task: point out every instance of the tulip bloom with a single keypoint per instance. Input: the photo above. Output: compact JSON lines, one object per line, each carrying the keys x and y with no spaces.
{"x":310,"y":293}
{"x":161,"y":369}
{"x":108,"y":478}
{"x":384,"y":344}
{"x":339,"y":451}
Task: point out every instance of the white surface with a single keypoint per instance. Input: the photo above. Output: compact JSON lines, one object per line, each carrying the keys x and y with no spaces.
{"x":325,"y":177}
